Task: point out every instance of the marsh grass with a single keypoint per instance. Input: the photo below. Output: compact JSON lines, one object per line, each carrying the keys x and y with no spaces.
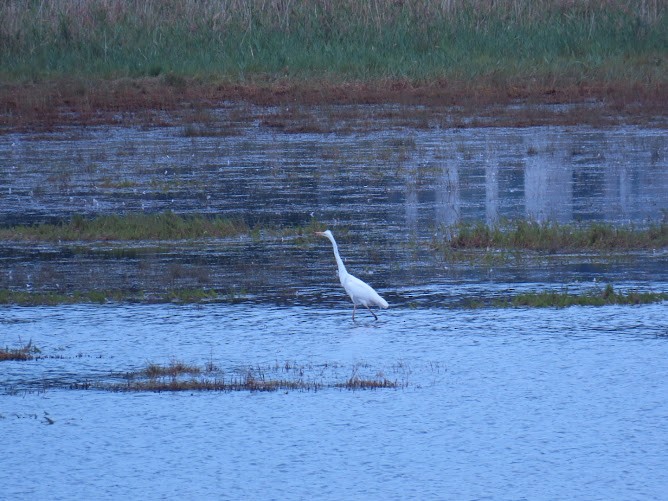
{"x":159,"y":226}
{"x":551,"y":41}
{"x":133,"y":226}
{"x":552,"y":237}
{"x":174,"y":369}
{"x":51,"y":298}
{"x":597,"y":297}
{"x":178,"y":296}
{"x":22,"y":353}
{"x":178,"y":376}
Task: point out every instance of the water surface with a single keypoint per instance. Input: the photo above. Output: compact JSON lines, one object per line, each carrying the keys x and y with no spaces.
{"x":496,"y":403}
{"x":490,"y":403}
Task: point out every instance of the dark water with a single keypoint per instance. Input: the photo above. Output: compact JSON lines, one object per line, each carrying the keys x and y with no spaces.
{"x":491,"y":403}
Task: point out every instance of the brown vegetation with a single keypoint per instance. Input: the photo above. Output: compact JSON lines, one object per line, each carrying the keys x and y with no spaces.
{"x":45,"y":105}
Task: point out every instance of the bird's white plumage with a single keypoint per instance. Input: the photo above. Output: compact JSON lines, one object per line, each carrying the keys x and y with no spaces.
{"x":361,"y":293}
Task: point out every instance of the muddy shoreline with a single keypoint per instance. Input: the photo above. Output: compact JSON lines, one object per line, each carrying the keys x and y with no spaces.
{"x":49,"y":104}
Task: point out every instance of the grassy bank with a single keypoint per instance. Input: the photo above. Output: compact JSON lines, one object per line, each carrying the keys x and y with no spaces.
{"x":236,"y":40}
{"x":514,"y":48}
{"x":553,"y":237}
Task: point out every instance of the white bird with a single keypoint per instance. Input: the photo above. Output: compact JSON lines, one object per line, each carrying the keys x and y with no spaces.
{"x":361,"y":293}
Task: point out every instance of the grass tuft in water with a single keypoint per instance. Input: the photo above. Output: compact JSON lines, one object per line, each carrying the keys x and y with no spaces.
{"x":181,"y":296}
{"x":178,"y":376}
{"x":26,"y":352}
{"x":552,"y":237}
{"x":358,"y":383}
{"x":162,"y":226}
{"x":139,"y":226}
{"x":174,"y":369}
{"x":597,"y":297}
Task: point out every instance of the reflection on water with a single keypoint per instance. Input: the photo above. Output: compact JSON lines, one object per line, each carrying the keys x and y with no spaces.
{"x":520,"y":403}
{"x":412,"y":178}
{"x":385,"y":191}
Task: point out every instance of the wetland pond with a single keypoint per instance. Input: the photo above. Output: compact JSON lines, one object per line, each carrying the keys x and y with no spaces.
{"x":454,"y":401}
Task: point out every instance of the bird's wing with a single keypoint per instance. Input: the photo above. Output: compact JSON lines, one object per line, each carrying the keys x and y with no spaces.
{"x":362,"y":293}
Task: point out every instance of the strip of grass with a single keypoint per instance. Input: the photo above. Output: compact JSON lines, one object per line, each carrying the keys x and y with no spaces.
{"x":180,"y":296}
{"x":598,"y":297}
{"x":549,"y":41}
{"x":140,"y":226}
{"x":553,"y":237}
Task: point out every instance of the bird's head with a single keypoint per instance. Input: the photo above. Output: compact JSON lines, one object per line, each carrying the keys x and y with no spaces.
{"x":325,"y":233}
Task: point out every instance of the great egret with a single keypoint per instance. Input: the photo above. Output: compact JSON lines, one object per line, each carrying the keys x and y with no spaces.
{"x":360,"y":292}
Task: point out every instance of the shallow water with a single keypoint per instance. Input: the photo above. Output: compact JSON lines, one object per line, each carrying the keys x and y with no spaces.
{"x":505,"y":404}
{"x":490,"y":403}
{"x":386,"y":186}
{"x":365,"y":169}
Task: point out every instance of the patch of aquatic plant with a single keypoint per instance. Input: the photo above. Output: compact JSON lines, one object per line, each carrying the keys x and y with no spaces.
{"x":553,"y":237}
{"x":25,"y":352}
{"x":178,"y":376}
{"x":358,"y":381}
{"x":174,"y":369}
{"x":50,"y":298}
{"x":596,"y":297}
{"x":140,"y":226}
{"x":133,"y":226}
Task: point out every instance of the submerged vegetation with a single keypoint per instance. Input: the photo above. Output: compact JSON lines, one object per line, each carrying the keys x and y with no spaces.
{"x":553,"y":237}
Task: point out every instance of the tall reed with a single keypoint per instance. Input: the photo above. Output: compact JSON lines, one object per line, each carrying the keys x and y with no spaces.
{"x":414,"y":39}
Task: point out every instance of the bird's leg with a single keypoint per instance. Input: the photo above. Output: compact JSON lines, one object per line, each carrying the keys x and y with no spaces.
{"x":354,"y":308}
{"x":371,"y":311}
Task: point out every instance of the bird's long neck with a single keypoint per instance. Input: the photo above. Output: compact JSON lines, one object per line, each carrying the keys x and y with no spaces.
{"x":339,"y":262}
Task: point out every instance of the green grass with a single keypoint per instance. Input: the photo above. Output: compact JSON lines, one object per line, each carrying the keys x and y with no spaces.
{"x":140,"y":226}
{"x":553,"y":237}
{"x":238,"y":41}
{"x":597,"y":297}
